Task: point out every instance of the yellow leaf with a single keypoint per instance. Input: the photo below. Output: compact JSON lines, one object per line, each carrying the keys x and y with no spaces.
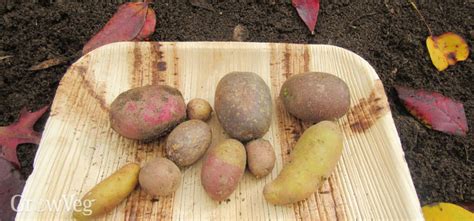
{"x":446,"y":212}
{"x":447,"y":49}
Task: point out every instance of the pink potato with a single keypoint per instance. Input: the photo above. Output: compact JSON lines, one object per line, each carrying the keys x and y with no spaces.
{"x":223,"y":168}
{"x":260,"y":157}
{"x":147,"y":112}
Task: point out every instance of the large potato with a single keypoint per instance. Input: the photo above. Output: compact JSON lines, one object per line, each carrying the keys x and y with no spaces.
{"x":243,"y":105}
{"x":223,"y":168}
{"x":315,"y":96}
{"x":260,"y":157}
{"x":106,"y":195}
{"x":145,"y":113}
{"x":188,"y":142}
{"x":312,"y":161}
{"x":160,"y":177}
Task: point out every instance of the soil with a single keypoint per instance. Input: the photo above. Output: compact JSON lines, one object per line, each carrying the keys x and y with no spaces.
{"x":389,"y":34}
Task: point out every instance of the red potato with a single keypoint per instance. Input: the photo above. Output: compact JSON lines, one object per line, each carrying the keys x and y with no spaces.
{"x":223,"y":168}
{"x":145,"y":113}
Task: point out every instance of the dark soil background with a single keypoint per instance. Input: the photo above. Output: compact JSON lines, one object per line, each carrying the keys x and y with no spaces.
{"x":389,"y":34}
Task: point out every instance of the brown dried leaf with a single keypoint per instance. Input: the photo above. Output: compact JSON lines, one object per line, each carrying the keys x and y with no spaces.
{"x":47,"y":64}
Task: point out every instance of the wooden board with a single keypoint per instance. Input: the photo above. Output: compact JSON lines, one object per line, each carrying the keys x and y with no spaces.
{"x":78,"y":149}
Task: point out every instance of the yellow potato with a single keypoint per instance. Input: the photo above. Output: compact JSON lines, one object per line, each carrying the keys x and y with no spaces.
{"x":312,"y":161}
{"x":106,"y":195}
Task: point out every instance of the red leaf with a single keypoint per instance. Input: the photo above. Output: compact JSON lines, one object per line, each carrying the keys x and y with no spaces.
{"x":11,"y":184}
{"x":148,"y":27}
{"x":435,"y":110}
{"x":308,"y":11}
{"x":124,"y":25}
{"x":18,"y":133}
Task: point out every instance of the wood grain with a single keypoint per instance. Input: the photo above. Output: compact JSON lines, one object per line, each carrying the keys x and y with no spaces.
{"x":78,"y":148}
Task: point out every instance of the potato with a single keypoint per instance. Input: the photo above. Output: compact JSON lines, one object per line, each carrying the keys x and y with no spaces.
{"x":106,"y":195}
{"x":315,"y":96}
{"x":160,"y":177}
{"x":188,"y":142}
{"x":243,"y":105}
{"x":223,"y":168}
{"x":312,"y":161}
{"x":260,"y":157}
{"x":145,"y":113}
{"x":199,"y":109}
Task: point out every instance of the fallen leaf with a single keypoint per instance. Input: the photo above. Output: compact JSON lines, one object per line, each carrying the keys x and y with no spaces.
{"x":240,"y":33}
{"x":308,"y":11}
{"x":202,"y":4}
{"x":447,"y":49}
{"x":124,"y":25}
{"x":11,"y":184}
{"x":469,"y":206}
{"x":18,"y":133}
{"x":435,"y":110}
{"x":446,"y":212}
{"x":47,"y":64}
{"x":149,"y":26}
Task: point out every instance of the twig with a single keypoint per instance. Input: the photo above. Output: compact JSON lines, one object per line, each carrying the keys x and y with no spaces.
{"x":359,"y":18}
{"x":421,"y":16}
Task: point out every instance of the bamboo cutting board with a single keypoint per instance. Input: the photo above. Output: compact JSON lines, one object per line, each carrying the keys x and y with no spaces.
{"x":78,"y":148}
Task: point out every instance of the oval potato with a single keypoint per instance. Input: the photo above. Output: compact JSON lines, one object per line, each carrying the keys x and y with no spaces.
{"x":243,"y":105}
{"x":147,"y":112}
{"x":223,"y":168}
{"x":315,"y":96}
{"x":199,"y":109}
{"x":260,"y":157}
{"x":188,"y":142}
{"x":160,"y":177}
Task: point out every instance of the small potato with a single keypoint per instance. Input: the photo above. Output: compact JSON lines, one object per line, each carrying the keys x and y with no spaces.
{"x":315,"y":96}
{"x":106,"y":195}
{"x":243,"y":105}
{"x":199,"y":109}
{"x":188,"y":142}
{"x":260,"y":157}
{"x":160,"y":177}
{"x":146,"y":113}
{"x":223,"y":168}
{"x":311,"y":162}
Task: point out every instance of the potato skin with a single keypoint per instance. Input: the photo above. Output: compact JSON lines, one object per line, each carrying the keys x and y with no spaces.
{"x":109,"y":193}
{"x":312,"y":161}
{"x":188,"y":142}
{"x":147,"y":112}
{"x":260,"y":157}
{"x":315,"y":96}
{"x":160,"y":177}
{"x":243,"y":105}
{"x":199,"y":109}
{"x":223,"y":168}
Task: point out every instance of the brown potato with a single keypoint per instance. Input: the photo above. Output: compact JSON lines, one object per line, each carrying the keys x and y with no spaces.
{"x":260,"y":157}
{"x":243,"y":105}
{"x":188,"y":142}
{"x":160,"y":177}
{"x":199,"y":109}
{"x":315,"y":96}
{"x":145,"y":113}
{"x":223,"y":168}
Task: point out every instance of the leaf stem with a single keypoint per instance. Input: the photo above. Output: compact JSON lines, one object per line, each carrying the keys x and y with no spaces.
{"x":421,"y":16}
